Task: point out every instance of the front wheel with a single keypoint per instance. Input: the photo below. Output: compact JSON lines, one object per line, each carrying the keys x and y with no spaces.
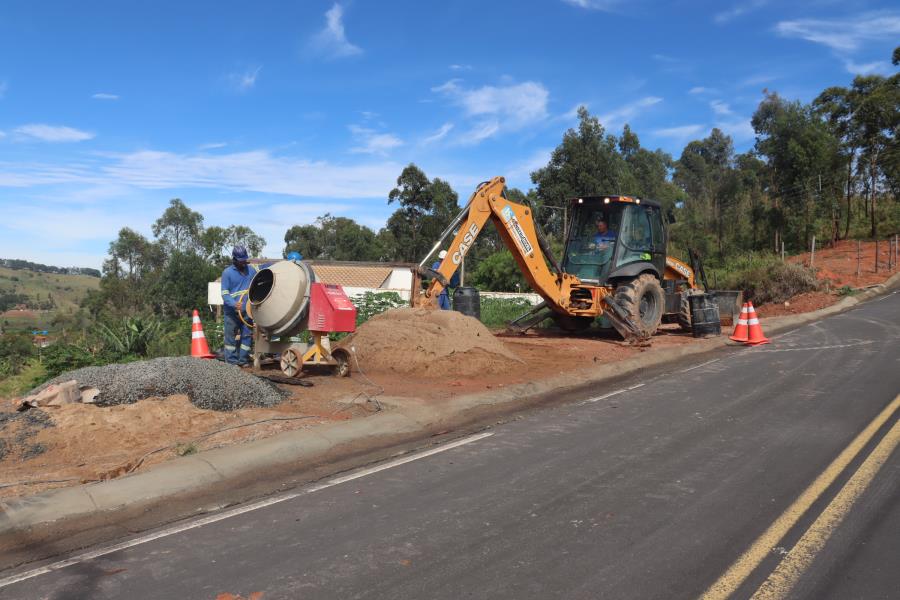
{"x":644,"y":300}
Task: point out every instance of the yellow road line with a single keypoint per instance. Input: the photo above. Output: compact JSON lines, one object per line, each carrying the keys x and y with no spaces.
{"x":732,"y":579}
{"x":801,"y":556}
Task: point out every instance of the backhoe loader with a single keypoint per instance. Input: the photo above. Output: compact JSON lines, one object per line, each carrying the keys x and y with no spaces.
{"x":614,"y":262}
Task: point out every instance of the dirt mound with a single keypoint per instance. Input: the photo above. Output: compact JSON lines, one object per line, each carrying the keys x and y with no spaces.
{"x":431,"y":343}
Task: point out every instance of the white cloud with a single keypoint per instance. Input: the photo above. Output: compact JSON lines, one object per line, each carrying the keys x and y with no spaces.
{"x":52,"y":133}
{"x":880,"y":67}
{"x":844,"y":34}
{"x":702,"y":90}
{"x":572,"y":113}
{"x":497,"y":108}
{"x":212,"y":146}
{"x":480,"y":132}
{"x":520,"y":173}
{"x":604,"y":5}
{"x":257,"y":171}
{"x":244,"y":81}
{"x":740,"y":130}
{"x":756,"y":80}
{"x":371,"y":141}
{"x":332,"y":40}
{"x":439,"y":134}
{"x":460,"y":67}
{"x":680,"y":132}
{"x":738,"y":10}
{"x":104,"y":96}
{"x":625,"y":112}
{"x":2,"y":135}
{"x":720,"y":108}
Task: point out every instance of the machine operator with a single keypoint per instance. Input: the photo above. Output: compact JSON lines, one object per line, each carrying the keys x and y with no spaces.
{"x":235,"y":283}
{"x":603,"y":239}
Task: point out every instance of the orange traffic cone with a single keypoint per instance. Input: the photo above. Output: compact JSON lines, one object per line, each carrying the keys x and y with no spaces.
{"x":199,"y":349}
{"x":755,"y":336}
{"x":741,"y":330}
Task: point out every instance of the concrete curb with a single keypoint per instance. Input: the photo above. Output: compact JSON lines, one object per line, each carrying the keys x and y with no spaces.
{"x":66,"y":512}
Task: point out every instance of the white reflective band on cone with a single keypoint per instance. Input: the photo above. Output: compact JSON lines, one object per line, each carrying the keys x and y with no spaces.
{"x":753,"y":322}
{"x":197,"y":334}
{"x":742,"y":322}
{"x":196,"y":320}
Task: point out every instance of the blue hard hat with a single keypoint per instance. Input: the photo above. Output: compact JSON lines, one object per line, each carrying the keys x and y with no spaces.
{"x":295,"y":256}
{"x":239,"y":253}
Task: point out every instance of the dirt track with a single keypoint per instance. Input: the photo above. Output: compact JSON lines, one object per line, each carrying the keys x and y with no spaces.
{"x":88,"y":443}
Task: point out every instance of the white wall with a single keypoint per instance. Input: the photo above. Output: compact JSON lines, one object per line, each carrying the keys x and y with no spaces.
{"x":530,"y":297}
{"x":214,"y":293}
{"x":399,"y":279}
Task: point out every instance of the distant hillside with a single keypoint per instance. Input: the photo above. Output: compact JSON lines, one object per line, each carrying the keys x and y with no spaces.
{"x":63,"y":291}
{"x":26,"y":265}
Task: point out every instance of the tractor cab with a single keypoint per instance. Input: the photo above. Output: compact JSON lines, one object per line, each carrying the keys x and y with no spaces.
{"x":611,"y":237}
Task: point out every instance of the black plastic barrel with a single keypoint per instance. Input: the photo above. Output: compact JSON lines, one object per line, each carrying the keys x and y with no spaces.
{"x":704,"y":315}
{"x":467,"y":301}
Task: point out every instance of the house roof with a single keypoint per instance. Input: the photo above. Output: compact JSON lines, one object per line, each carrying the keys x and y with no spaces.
{"x":351,"y":274}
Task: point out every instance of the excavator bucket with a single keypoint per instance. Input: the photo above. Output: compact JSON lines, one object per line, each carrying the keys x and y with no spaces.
{"x":622,"y":323}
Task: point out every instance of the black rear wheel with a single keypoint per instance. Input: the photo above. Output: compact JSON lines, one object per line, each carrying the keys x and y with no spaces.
{"x":684,"y":313}
{"x":644,"y":300}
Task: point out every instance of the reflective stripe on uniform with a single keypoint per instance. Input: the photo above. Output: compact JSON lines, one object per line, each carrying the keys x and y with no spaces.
{"x":229,"y":348}
{"x":245,"y":347}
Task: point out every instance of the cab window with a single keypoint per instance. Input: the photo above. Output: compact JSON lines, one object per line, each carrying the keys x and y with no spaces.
{"x":636,"y":236}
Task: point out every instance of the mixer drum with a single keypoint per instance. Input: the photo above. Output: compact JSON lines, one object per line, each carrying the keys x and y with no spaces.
{"x":279,"y":296}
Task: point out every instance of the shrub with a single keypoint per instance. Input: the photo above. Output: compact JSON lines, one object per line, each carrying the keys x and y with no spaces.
{"x":15,"y":350}
{"x":764,"y":278}
{"x":370,"y":304}
{"x":497,"y":312}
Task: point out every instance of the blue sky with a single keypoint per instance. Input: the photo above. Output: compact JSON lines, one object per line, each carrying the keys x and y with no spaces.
{"x":273,"y":113}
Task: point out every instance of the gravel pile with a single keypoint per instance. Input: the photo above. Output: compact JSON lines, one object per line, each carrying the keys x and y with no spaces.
{"x":209,"y":384}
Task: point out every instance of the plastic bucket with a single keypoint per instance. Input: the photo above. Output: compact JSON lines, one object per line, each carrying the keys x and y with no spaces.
{"x":704,"y":315}
{"x":467,"y":300}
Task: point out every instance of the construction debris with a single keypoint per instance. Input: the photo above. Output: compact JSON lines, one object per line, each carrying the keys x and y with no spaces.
{"x":209,"y":384}
{"x":67,"y":392}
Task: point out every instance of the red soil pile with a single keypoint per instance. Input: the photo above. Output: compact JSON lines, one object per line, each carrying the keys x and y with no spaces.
{"x":838,"y":265}
{"x":801,"y":303}
{"x":429,"y":343}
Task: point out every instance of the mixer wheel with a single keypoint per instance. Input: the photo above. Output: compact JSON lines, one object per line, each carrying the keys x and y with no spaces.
{"x":291,"y":362}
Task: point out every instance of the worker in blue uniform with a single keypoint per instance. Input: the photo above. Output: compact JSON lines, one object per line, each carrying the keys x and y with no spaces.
{"x":444,"y":296}
{"x":235,"y":284}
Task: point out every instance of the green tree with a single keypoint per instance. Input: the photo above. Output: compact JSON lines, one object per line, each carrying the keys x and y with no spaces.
{"x":498,"y":272}
{"x":426,"y":208}
{"x":587,"y":162}
{"x":182,"y":285}
{"x":333,"y":238}
{"x":800,"y":149}
{"x":179,"y":228}
{"x":705,"y":173}
{"x":217,"y":242}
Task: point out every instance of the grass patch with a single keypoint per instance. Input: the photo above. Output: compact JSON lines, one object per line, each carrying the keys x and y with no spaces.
{"x":16,"y":385}
{"x":186,"y":449}
{"x":497,"y":312}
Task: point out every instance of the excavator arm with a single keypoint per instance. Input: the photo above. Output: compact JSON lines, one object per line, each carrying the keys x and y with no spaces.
{"x":562,"y":292}
{"x":516,"y":226}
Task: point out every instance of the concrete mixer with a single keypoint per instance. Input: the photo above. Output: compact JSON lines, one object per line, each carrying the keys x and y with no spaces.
{"x":285,"y":300}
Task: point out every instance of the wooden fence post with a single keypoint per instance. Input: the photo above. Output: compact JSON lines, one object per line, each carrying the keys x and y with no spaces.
{"x":858,"y":258}
{"x":876,"y":254}
{"x":812,"y":253}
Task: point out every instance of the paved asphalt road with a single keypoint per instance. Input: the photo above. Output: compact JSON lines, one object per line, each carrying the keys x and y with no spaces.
{"x":653,"y":492}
